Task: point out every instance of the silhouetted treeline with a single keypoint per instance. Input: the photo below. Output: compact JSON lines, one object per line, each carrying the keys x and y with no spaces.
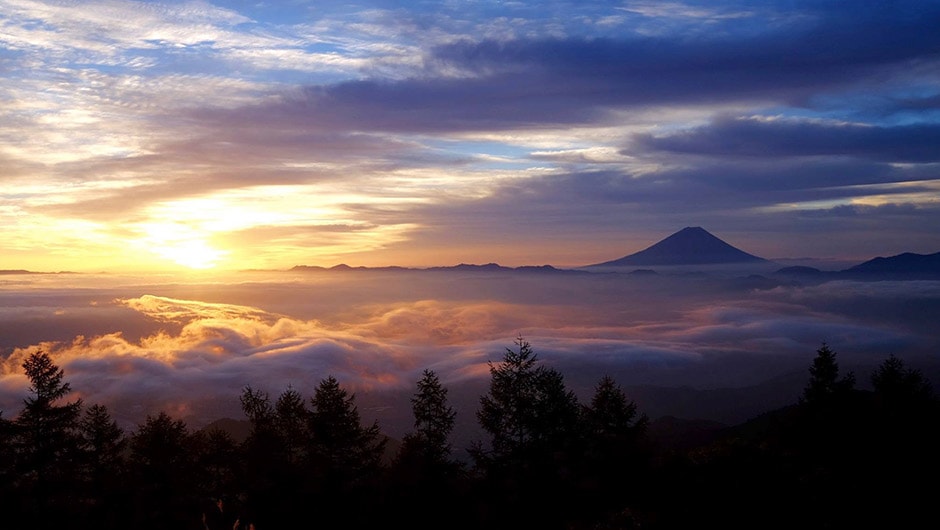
{"x":839,"y":457}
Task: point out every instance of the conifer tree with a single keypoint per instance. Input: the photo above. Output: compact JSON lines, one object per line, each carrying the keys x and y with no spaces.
{"x":346,"y":456}
{"x":47,"y":437}
{"x":528,"y":407}
{"x":616,"y":461}
{"x":263,"y":448}
{"x":557,"y":414}
{"x":163,"y":470}
{"x":899,"y":388}
{"x":612,"y":414}
{"x":290,"y":418}
{"x":903,"y":444}
{"x":433,"y":420}
{"x":824,"y":384}
{"x":103,"y":439}
{"x":424,"y":477}
{"x":830,"y":437}
{"x":256,"y":404}
{"x":340,"y":441}
{"x":533,"y":422}
{"x":507,"y":410}
{"x":273,"y":484}
{"x":103,"y":442}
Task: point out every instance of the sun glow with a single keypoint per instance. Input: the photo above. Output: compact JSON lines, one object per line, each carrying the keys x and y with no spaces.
{"x":182,"y":245}
{"x":193,"y":254}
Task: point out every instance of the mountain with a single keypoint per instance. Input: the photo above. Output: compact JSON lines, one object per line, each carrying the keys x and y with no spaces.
{"x":693,"y":245}
{"x":906,"y":263}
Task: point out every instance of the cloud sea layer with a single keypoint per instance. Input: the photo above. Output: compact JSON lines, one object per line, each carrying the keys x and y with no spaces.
{"x":190,"y":347}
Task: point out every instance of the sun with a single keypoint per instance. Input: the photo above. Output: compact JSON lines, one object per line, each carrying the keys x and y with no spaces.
{"x":182,"y":245}
{"x":194,"y":254}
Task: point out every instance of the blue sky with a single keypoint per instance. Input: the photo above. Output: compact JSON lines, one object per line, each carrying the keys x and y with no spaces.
{"x":162,"y":135}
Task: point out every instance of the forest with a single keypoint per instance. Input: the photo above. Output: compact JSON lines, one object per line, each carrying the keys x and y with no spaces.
{"x":838,"y":457}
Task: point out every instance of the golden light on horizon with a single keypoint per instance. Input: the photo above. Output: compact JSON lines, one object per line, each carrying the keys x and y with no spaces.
{"x":182,"y":245}
{"x":193,"y":254}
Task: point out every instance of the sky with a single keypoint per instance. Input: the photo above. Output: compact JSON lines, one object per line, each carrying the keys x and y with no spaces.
{"x":231,"y":135}
{"x":164,"y":166}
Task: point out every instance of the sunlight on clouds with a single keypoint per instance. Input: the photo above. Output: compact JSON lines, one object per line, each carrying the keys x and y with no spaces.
{"x":174,"y":310}
{"x":596,"y":155}
{"x":917,"y":193}
{"x":917,"y":196}
{"x":60,"y":237}
{"x":235,"y":341}
{"x":435,"y":322}
{"x":179,"y":243}
{"x":181,"y":230}
{"x":189,"y":231}
{"x":376,"y":331}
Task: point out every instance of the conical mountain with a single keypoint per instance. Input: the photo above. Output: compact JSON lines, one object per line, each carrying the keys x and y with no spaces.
{"x":693,"y":245}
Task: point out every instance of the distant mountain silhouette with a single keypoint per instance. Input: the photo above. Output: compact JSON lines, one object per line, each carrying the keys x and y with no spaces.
{"x":799,"y":269}
{"x":469,"y":267}
{"x":693,"y":245}
{"x":462,"y":267}
{"x":906,"y":263}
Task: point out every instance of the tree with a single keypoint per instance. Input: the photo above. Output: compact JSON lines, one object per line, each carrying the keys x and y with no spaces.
{"x":345,"y":455}
{"x":434,"y":421}
{"x":533,"y":421}
{"x":557,"y":414}
{"x":47,"y":439}
{"x":272,"y":478}
{"x":257,"y":408}
{"x":8,"y":474}
{"x":164,"y":472}
{"x":218,"y":459}
{"x":903,"y":442}
{"x":899,"y":389}
{"x":824,"y":384}
{"x":424,"y":478}
{"x":340,"y":441}
{"x":506,"y":412}
{"x":103,"y":444}
{"x":527,"y":407}
{"x":612,"y":415}
{"x":616,"y":461}
{"x":829,"y":434}
{"x":290,"y":419}
{"x":103,"y":440}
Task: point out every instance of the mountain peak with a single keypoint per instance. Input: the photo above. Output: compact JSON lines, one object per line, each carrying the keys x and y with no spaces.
{"x":693,"y":245}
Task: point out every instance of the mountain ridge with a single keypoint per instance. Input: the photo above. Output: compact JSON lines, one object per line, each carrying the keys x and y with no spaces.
{"x":692,"y":245}
{"x":907,"y":262}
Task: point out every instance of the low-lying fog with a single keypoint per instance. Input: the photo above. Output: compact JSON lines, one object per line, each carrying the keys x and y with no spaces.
{"x":740,"y":343}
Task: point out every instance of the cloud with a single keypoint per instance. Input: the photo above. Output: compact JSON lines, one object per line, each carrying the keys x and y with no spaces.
{"x":518,"y":132}
{"x":782,"y":138}
{"x":544,"y":82}
{"x":376,"y":331}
